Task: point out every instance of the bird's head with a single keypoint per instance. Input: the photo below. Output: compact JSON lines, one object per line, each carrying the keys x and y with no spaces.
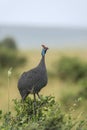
{"x":44,"y":50}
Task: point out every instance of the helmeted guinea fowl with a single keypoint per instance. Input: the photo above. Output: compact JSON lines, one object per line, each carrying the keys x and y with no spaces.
{"x":32,"y":81}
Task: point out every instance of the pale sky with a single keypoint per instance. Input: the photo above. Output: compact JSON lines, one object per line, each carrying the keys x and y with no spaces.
{"x":44,"y":12}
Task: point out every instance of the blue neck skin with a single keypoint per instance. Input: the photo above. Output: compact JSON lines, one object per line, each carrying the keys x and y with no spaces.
{"x":43,"y":52}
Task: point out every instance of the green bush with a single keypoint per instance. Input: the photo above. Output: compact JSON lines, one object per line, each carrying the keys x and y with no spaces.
{"x":83,"y":92}
{"x":49,"y":116}
{"x":71,"y":102}
{"x":9,"y":43}
{"x":10,"y":58}
{"x":71,"y":69}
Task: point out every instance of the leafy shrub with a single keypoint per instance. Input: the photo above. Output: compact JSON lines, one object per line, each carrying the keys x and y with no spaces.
{"x":71,"y":69}
{"x":10,"y":58}
{"x":9,"y":54}
{"x":9,"y":43}
{"x":71,"y":101}
{"x":83,"y":92}
{"x":49,"y":116}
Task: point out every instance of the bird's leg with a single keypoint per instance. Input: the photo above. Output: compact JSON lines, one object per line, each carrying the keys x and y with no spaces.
{"x":23,"y":98}
{"x":34,"y":104}
{"x":34,"y":98}
{"x":38,"y":96}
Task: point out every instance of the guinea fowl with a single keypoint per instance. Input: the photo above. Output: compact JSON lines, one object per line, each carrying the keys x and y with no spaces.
{"x":32,"y":81}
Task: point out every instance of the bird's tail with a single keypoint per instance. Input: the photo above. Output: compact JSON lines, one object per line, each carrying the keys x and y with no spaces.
{"x":23,"y":94}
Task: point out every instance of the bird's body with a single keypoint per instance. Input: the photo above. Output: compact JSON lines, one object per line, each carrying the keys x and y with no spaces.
{"x":32,"y":81}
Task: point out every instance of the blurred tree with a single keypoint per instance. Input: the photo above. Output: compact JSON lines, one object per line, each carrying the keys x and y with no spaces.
{"x":8,"y":54}
{"x":9,"y":43}
{"x":10,"y":58}
{"x":71,"y":68}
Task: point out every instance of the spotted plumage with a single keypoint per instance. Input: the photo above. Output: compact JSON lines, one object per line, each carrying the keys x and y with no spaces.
{"x":32,"y":81}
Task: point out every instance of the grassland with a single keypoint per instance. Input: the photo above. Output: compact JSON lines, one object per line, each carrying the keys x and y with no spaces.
{"x":55,"y":86}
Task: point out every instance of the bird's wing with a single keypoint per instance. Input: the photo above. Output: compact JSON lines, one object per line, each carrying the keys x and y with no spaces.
{"x":30,"y":78}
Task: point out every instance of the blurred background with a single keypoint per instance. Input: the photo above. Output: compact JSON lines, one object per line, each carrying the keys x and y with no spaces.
{"x":62,"y":26}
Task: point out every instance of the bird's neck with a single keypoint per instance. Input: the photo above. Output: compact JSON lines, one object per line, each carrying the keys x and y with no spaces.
{"x":42,"y":61}
{"x":43,"y":58}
